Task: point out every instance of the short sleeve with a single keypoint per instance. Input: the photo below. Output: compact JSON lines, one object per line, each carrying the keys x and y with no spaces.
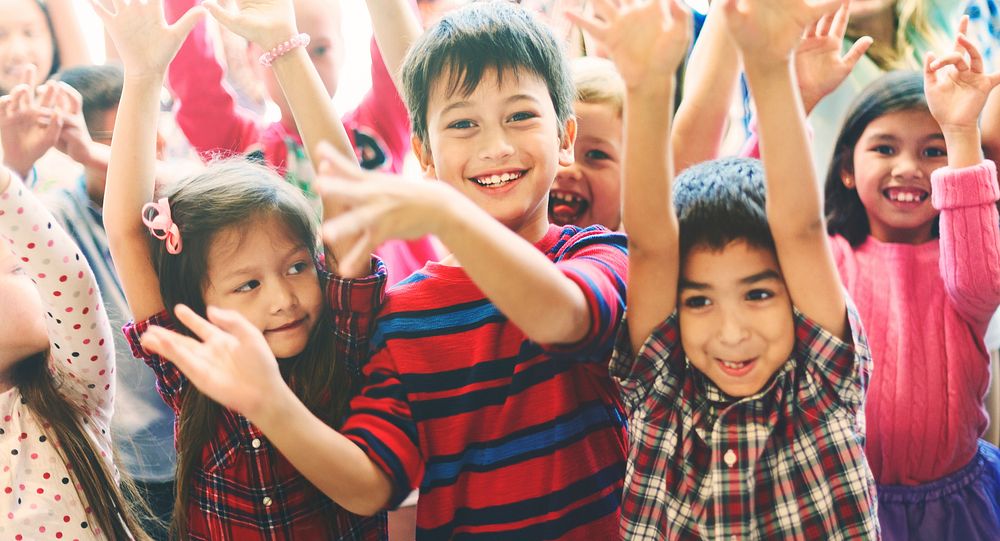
{"x":845,"y":366}
{"x":660,"y":357}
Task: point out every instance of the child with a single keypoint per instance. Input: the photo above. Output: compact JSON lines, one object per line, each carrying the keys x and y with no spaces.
{"x":57,"y":388}
{"x":588,"y":191}
{"x":911,"y":210}
{"x":743,"y":367}
{"x":488,"y":385}
{"x":237,"y":237}
{"x":210,"y":119}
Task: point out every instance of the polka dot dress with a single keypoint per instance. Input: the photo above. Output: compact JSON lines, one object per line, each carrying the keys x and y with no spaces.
{"x":39,"y":498}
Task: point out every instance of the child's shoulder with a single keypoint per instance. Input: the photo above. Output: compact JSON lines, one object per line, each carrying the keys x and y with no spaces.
{"x":561,"y":242}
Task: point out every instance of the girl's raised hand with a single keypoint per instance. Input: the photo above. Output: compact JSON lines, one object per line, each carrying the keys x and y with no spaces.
{"x":819,"y":65}
{"x":30,"y":123}
{"x":647,"y":39}
{"x":263,"y":22}
{"x":230,"y":361}
{"x":956,"y":84}
{"x":144,"y":40}
{"x":768,"y":31}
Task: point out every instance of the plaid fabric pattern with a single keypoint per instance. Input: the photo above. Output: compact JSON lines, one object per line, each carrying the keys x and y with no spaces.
{"x":786,"y":463}
{"x":246,"y":489}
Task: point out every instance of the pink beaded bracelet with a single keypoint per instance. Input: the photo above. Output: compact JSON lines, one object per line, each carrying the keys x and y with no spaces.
{"x":300,"y":40}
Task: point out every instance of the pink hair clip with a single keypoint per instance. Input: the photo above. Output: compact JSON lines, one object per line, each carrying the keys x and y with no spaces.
{"x":161,"y":225}
{"x":300,"y":40}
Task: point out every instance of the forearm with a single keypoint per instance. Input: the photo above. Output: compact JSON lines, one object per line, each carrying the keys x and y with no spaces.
{"x":964,"y":144}
{"x":709,"y":88}
{"x":315,"y":116}
{"x":396,"y":26}
{"x":793,"y":197}
{"x":70,"y":40}
{"x":523,"y":284}
{"x":338,"y":467}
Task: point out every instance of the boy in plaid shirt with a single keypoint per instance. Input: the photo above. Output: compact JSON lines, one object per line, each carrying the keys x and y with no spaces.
{"x":745,"y":399}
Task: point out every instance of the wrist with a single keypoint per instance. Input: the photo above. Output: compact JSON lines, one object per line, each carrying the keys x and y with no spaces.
{"x":277,"y":408}
{"x":273,"y":38}
{"x":964,"y":145}
{"x":654,"y":89}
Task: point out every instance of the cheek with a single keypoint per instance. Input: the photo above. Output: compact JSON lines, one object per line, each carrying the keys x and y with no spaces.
{"x":606,"y":187}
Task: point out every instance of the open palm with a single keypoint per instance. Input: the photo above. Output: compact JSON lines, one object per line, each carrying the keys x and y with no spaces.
{"x":772,"y":28}
{"x":957,"y":86}
{"x":264,"y":22}
{"x":819,"y":65}
{"x":644,"y":38}
{"x":144,"y":40}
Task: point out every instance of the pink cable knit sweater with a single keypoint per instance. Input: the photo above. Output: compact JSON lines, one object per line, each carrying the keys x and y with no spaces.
{"x":925,"y":308}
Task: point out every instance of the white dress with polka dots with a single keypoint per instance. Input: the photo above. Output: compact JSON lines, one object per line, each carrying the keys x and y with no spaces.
{"x":38,"y":497}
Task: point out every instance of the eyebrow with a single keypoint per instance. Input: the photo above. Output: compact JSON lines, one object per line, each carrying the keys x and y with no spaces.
{"x":768,"y":274}
{"x":893,"y":138}
{"x":467,"y":103}
{"x":250,"y":269}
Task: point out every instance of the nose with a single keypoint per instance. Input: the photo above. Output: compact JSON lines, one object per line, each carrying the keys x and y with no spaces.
{"x":495,"y":145}
{"x":282,"y":297}
{"x":732,"y":328}
{"x":569,"y":173}
{"x":907,"y":166}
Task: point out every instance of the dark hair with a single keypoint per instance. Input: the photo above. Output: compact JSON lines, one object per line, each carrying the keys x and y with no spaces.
{"x":722,"y":201}
{"x":224,"y":198}
{"x":480,"y":37}
{"x":100,"y":87}
{"x":52,"y":33}
{"x":893,"y":92}
{"x":108,"y":499}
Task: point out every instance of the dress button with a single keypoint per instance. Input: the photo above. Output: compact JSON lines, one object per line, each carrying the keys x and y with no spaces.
{"x":267,"y":501}
{"x":730,"y":458}
{"x":255,"y":443}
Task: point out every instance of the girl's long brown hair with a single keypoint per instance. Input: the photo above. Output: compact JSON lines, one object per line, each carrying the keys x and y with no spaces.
{"x":915,"y":34}
{"x":112,"y":512}
{"x":226,"y":197}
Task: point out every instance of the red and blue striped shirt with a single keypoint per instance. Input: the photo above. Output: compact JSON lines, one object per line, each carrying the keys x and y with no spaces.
{"x":506,"y":438}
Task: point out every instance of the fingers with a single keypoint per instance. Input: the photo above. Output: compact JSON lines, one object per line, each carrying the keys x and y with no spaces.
{"x":182,"y":351}
{"x":28,"y":75}
{"x":823,"y":7}
{"x":857,"y":51}
{"x":101,"y":11}
{"x":594,"y":27}
{"x":224,"y":16}
{"x":963,"y":25}
{"x":200,"y":326}
{"x":186,"y":22}
{"x":951,"y":59}
{"x":975,"y":57}
{"x":335,"y":164}
{"x":235,"y":324}
{"x":840,"y":19}
{"x":824,"y":24}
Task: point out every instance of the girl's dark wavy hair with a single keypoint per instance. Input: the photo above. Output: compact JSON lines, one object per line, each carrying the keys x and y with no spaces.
{"x":893,"y":92}
{"x":52,"y":33}
{"x":227,"y":196}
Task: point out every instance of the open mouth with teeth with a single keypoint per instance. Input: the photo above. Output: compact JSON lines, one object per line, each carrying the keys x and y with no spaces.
{"x":566,"y":208}
{"x":736,"y":368}
{"x":906,"y":196}
{"x":497,"y":180}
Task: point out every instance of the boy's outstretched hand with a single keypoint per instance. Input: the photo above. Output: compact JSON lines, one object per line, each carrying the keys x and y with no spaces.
{"x":144,"y":40}
{"x":819,"y":65}
{"x":229,"y":360}
{"x":768,"y":31}
{"x":263,"y":22}
{"x":647,"y":40}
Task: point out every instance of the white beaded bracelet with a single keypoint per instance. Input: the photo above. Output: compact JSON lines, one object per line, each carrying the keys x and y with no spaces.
{"x":300,"y":40}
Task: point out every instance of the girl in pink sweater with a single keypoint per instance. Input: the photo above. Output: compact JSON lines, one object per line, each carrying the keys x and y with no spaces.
{"x":910,"y":208}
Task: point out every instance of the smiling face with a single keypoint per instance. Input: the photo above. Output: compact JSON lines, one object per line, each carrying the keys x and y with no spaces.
{"x":892,"y":165}
{"x":735,"y":316}
{"x":25,"y":39}
{"x":499,"y":146}
{"x":259,"y":269}
{"x":588,"y":191}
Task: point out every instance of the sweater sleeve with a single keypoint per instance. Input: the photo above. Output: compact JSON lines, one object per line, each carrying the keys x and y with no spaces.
{"x":970,"y":238}
{"x":81,"y":353}
{"x":207,"y":113}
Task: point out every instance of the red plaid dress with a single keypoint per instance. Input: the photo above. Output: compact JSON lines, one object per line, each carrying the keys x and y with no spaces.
{"x":786,"y":463}
{"x":245,"y":489}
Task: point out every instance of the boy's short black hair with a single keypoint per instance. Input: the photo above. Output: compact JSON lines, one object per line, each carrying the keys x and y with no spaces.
{"x":477,"y":38}
{"x":722,"y":201}
{"x":99,"y":86}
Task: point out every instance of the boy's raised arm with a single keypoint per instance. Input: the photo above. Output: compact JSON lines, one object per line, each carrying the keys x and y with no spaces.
{"x":146,"y":45}
{"x":396,"y":26}
{"x":647,"y":43}
{"x":767,"y":33}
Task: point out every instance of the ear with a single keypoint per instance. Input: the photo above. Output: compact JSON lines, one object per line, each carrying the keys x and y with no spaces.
{"x":847,"y":178}
{"x":566,"y":156}
{"x":424,"y":156}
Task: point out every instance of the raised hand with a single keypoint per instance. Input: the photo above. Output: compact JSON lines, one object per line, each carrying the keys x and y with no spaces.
{"x":263,"y":22}
{"x":768,"y":31}
{"x":646,"y":39}
{"x":29,"y":123}
{"x":74,"y":138}
{"x":229,"y":361}
{"x":956,"y":83}
{"x":363,"y":209}
{"x":819,"y":65}
{"x":144,"y":40}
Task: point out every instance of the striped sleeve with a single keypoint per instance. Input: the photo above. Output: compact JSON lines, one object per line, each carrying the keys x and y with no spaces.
{"x":597,"y":261}
{"x":381,"y":424}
